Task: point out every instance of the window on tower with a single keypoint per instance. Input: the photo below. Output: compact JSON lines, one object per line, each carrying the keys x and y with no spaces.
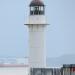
{"x":37,"y":10}
{"x":32,"y":8}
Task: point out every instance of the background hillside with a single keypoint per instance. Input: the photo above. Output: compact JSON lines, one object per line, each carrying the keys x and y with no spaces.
{"x":59,"y":61}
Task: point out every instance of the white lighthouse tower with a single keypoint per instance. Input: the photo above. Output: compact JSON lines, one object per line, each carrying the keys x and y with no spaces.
{"x":36,"y":25}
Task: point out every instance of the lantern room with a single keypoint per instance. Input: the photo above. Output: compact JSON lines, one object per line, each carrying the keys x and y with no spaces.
{"x":37,"y":7}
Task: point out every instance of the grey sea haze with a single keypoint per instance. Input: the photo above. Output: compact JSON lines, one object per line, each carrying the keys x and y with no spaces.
{"x":50,"y":62}
{"x":60,"y":34}
{"x":59,"y":61}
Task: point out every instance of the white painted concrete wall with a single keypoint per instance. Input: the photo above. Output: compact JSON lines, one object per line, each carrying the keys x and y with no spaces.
{"x":13,"y":71}
{"x":37,"y":19}
{"x":37,"y":49}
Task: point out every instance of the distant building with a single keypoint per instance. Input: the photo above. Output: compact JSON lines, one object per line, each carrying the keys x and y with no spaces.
{"x":45,"y":71}
{"x":68,"y":69}
{"x":22,"y":61}
{"x":41,"y":71}
{"x":56,"y":71}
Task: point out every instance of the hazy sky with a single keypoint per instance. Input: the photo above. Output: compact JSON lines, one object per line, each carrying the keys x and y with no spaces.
{"x":14,"y":35}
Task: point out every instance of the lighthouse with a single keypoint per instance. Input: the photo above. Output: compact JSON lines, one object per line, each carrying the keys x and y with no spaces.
{"x":37,"y":25}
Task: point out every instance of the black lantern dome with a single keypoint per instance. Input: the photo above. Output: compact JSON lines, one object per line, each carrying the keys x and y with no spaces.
{"x":36,"y":3}
{"x":37,"y":7}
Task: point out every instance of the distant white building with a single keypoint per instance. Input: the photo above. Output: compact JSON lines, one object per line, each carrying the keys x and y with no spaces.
{"x":14,"y":60}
